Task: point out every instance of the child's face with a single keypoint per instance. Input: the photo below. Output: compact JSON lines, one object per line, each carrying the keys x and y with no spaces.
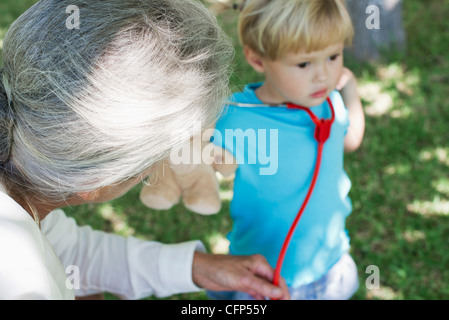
{"x":305,"y":79}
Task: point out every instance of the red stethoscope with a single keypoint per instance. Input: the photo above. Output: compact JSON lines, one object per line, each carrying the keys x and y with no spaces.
{"x":322,"y":133}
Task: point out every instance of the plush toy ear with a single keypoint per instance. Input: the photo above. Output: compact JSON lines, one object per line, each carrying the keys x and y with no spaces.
{"x":200,"y":190}
{"x":163,"y":192}
{"x":224,"y":162}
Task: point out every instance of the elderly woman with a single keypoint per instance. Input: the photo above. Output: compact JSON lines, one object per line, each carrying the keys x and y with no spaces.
{"x":85,"y":114}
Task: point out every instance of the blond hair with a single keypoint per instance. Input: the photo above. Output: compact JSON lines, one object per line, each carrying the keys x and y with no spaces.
{"x":273,"y":28}
{"x":86,"y":108}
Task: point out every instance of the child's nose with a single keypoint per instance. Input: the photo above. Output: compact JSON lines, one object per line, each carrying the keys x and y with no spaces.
{"x":321,"y":73}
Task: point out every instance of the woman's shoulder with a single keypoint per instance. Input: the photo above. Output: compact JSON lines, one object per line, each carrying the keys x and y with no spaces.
{"x":25,"y":268}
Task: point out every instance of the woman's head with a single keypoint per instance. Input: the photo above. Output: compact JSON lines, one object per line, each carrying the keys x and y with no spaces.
{"x":273,"y":28}
{"x":81,"y":109}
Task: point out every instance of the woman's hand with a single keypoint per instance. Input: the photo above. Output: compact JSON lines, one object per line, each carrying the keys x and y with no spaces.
{"x":250,"y":274}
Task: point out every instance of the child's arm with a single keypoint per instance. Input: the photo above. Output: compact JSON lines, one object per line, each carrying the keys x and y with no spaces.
{"x":348,"y":90}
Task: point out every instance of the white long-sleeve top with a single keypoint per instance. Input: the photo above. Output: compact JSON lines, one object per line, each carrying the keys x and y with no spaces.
{"x":50,"y":263}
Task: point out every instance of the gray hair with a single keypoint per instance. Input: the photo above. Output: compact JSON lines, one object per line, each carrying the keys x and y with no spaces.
{"x":85,"y":108}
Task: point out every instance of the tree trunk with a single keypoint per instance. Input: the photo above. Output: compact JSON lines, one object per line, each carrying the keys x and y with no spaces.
{"x":378,"y":27}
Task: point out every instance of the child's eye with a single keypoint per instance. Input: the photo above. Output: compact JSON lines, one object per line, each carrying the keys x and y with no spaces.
{"x":334,"y":57}
{"x":303,"y":65}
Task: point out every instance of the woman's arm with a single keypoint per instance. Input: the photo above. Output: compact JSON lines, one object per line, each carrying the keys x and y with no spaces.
{"x":128,"y":267}
{"x":132,"y":268}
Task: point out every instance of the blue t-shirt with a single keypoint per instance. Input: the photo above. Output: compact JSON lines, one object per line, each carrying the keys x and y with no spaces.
{"x":276,"y":153}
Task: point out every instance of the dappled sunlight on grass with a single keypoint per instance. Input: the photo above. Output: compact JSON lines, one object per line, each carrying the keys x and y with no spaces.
{"x":401,"y":183}
{"x":218,"y":243}
{"x":398,"y":169}
{"x":412,"y":236}
{"x":381,"y":95}
{"x":226,"y":187}
{"x":378,"y":102}
{"x":396,"y":75}
{"x":441,"y":154}
{"x":437,"y":206}
{"x":383,"y":293}
{"x":441,"y":185}
{"x":226,"y":195}
{"x":118,"y":221}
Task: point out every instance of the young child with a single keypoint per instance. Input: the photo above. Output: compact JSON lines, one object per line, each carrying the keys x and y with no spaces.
{"x":298,"y":45}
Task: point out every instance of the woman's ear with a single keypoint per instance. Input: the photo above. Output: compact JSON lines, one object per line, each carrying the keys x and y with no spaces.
{"x":89,"y":196}
{"x":254,"y":59}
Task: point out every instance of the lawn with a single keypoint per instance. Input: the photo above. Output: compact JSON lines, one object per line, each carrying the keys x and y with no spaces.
{"x":400,"y":175}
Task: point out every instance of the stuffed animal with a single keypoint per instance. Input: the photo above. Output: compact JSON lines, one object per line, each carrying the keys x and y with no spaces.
{"x":194,"y":182}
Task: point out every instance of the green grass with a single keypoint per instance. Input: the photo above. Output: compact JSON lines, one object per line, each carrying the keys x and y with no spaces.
{"x":400,"y":175}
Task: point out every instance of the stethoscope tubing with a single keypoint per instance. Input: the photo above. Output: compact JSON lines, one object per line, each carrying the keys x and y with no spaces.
{"x":321,"y":125}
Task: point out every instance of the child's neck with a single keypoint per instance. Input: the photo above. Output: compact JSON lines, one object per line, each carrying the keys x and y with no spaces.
{"x":267,"y":95}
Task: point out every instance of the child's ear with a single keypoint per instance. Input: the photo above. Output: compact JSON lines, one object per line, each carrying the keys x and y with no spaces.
{"x":254,"y":59}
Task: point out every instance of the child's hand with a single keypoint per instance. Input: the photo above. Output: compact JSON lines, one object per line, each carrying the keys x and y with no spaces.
{"x":347,"y":85}
{"x":346,"y":76}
